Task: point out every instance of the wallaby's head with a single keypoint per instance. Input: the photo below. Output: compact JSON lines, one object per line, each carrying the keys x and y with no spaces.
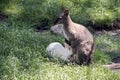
{"x":62,"y":17}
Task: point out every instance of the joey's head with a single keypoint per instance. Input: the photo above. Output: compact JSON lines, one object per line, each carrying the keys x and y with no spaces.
{"x":62,"y":17}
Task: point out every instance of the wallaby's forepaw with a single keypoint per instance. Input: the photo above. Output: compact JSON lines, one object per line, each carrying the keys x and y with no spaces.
{"x":71,"y":58}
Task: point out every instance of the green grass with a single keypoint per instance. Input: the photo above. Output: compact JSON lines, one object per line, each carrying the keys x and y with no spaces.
{"x":44,"y":12}
{"x":22,"y":50}
{"x":23,"y":56}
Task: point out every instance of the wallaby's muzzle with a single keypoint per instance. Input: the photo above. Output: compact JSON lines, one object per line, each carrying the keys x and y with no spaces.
{"x":57,"y":29}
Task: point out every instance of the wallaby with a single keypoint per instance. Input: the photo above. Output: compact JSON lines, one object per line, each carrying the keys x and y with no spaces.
{"x":79,"y":38}
{"x":59,"y":30}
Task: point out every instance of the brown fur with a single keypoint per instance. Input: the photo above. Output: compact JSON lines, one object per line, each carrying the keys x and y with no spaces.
{"x":80,"y":38}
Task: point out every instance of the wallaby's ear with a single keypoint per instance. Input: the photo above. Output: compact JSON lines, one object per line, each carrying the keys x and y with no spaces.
{"x":65,"y":11}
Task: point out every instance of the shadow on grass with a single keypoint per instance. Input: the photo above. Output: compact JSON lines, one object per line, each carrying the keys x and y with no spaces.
{"x":3,"y":4}
{"x":115,"y":56}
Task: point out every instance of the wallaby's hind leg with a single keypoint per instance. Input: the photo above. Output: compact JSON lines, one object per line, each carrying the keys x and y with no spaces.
{"x":90,"y":60}
{"x":84,"y":54}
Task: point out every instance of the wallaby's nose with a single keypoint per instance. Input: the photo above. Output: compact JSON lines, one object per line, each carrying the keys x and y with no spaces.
{"x":52,"y":31}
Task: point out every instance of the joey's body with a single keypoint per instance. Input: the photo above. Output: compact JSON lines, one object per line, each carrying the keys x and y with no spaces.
{"x":81,"y":40}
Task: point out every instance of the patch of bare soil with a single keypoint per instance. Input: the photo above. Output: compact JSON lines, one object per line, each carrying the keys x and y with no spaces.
{"x":115,"y":64}
{"x":110,"y":33}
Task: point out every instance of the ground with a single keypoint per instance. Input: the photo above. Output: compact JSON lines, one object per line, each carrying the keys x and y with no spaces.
{"x":23,"y":56}
{"x":115,"y":63}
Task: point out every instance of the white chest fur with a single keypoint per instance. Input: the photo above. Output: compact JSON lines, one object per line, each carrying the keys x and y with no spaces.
{"x":59,"y":29}
{"x":64,"y":34}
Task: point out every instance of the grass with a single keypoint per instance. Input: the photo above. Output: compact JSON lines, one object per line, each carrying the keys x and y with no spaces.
{"x":23,"y":56}
{"x":22,"y":50}
{"x":44,"y":12}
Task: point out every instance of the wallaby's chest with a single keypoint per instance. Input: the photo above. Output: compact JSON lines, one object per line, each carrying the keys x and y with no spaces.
{"x":66,"y":35}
